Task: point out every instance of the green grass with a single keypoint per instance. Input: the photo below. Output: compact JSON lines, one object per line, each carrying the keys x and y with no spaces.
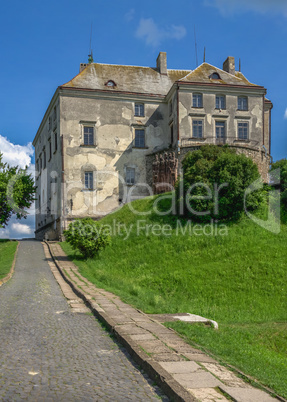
{"x":238,"y":280}
{"x":7,"y":252}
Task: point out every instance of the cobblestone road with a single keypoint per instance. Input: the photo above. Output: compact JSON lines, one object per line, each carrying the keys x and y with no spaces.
{"x":48,"y":353}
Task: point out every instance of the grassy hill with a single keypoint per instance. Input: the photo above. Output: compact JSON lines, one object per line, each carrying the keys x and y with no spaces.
{"x":235,"y":276}
{"x":7,"y":251}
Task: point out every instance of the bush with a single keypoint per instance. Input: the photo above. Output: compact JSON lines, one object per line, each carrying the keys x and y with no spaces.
{"x":86,"y":236}
{"x":281,"y":176}
{"x":213,"y":184}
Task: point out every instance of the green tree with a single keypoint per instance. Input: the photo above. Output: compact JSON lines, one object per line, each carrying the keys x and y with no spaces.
{"x":279,"y":169}
{"x":17,"y":192}
{"x":86,"y":236}
{"x":213,"y":184}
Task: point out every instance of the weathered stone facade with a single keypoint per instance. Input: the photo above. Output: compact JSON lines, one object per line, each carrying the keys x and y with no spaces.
{"x":115,"y":133}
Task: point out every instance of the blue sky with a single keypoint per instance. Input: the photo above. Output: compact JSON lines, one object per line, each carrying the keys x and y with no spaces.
{"x":43,"y":43}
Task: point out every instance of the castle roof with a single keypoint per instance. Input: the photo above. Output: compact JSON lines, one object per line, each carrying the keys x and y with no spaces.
{"x":133,"y":79}
{"x":203,"y":74}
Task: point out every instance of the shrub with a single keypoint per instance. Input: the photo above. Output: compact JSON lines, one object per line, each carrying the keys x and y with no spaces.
{"x":213,"y":171}
{"x":86,"y":236}
{"x":281,"y":175}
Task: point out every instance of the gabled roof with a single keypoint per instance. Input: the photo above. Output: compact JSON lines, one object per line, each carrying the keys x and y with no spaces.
{"x":202,"y":74}
{"x":133,"y":79}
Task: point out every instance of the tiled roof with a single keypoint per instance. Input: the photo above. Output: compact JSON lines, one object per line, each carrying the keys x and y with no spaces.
{"x":203,"y":73}
{"x":145,"y":80}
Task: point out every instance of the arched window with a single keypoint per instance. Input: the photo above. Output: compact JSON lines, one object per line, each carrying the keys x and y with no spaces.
{"x":110,"y":84}
{"x":215,"y":76}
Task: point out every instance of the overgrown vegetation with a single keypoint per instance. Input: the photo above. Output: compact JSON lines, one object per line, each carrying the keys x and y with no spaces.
{"x":213,"y":184}
{"x":233,"y":273}
{"x":85,"y":235}
{"x":7,"y":252}
{"x":279,"y":173}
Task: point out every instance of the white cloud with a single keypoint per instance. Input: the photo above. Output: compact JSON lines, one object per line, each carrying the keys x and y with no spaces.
{"x":16,"y":154}
{"x":154,"y":35}
{"x":227,"y":7}
{"x":129,"y":16}
{"x":285,"y":114}
{"x":21,"y":228}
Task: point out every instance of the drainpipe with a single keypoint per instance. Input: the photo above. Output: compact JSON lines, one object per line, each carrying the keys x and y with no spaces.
{"x":178,"y":141}
{"x":263,"y":108}
{"x":63,"y":186}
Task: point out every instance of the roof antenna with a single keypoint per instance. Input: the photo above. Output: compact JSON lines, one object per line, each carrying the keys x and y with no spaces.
{"x":204,"y":55}
{"x":90,"y":59}
{"x":195,"y":47}
{"x":239,"y":64}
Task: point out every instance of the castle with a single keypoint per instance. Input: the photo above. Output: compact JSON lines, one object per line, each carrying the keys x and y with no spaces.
{"x":115,"y":133}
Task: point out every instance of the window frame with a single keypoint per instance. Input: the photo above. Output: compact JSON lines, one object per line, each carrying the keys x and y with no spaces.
{"x":242,"y":103}
{"x":171,"y":133}
{"x":137,"y":140}
{"x":170,"y":108}
{"x":221,"y":123}
{"x":44,"y":158}
{"x":246,"y":123}
{"x":130,"y":178}
{"x":88,"y":143}
{"x":197,"y":100}
{"x":50,"y":148}
{"x":196,"y":125}
{"x":55,"y":141}
{"x":89,"y":180}
{"x":218,"y":105}
{"x":139,"y":110}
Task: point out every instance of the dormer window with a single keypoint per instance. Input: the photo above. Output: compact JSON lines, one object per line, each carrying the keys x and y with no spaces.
{"x":215,"y":76}
{"x":110,"y":84}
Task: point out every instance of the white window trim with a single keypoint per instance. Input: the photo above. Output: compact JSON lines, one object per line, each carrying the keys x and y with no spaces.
{"x":84,"y":124}
{"x":248,"y":133}
{"x":202,"y":120}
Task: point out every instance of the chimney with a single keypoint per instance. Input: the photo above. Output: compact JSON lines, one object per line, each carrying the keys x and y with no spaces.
{"x":161,"y":63}
{"x":229,"y":65}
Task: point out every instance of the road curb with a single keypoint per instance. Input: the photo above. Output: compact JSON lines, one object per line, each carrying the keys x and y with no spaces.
{"x":10,"y":274}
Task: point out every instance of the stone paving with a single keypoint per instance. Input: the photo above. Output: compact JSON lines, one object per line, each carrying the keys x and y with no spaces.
{"x":183,"y":372}
{"x":49,"y":353}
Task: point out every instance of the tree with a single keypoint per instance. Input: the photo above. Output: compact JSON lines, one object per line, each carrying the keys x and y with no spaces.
{"x":86,"y":236}
{"x":17,"y":192}
{"x":213,"y":183}
{"x":279,"y":169}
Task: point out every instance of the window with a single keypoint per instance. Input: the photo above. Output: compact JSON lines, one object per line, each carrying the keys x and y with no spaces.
{"x":55,"y":142}
{"x":220,"y":102}
{"x":243,"y":129}
{"x":197,"y":128}
{"x":44,"y":159}
{"x":242,"y":103}
{"x":88,"y":135}
{"x":139,"y":109}
{"x":110,"y":84}
{"x":37,"y":168}
{"x":215,"y":76}
{"x":139,"y":138}
{"x":170,"y":108}
{"x":40,"y":163}
{"x":220,"y":129}
{"x":50,"y":123}
{"x":55,"y":114}
{"x":171,"y":133}
{"x":130,"y":176}
{"x":89,"y":180}
{"x":197,"y":100}
{"x":50,"y":148}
